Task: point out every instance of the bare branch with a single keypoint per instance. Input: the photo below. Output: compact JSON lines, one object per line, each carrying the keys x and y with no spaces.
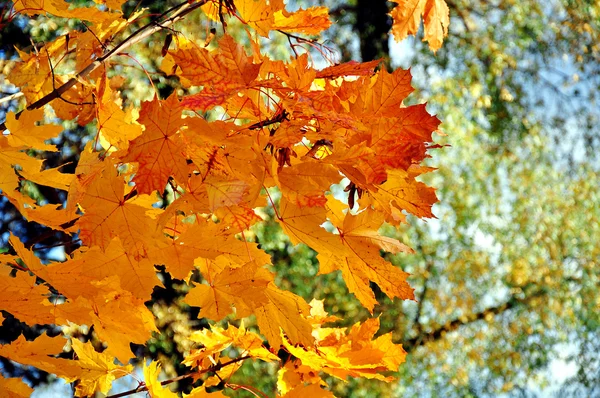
{"x":10,"y":98}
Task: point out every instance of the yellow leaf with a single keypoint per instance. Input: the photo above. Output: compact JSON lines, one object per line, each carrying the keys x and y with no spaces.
{"x":61,"y":8}
{"x":38,"y":353}
{"x":25,"y":133}
{"x":115,"y":125}
{"x":216,"y":339}
{"x":48,"y":215}
{"x":356,"y":354}
{"x":155,"y":389}
{"x":240,"y":288}
{"x":159,"y":151}
{"x":284,"y":311}
{"x":98,"y":370}
{"x":200,"y":392}
{"x":258,"y":14}
{"x":14,"y":388}
{"x":304,"y":184}
{"x":24,"y":299}
{"x":311,"y":390}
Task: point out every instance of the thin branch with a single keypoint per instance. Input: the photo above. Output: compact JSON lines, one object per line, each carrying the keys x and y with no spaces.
{"x":437,"y":333}
{"x":214,"y":368}
{"x":10,"y":98}
{"x":422,"y":296}
{"x":159,"y":23}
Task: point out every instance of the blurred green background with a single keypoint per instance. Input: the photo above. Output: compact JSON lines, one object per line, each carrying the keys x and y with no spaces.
{"x":507,"y":276}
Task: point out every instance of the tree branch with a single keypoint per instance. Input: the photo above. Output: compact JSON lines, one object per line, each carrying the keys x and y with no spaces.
{"x":437,"y":333}
{"x":426,"y":277}
{"x":11,"y":97}
{"x":214,"y":368}
{"x":161,"y":22}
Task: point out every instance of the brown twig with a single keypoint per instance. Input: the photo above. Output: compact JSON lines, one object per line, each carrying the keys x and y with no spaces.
{"x":280,"y":116}
{"x":214,"y":368}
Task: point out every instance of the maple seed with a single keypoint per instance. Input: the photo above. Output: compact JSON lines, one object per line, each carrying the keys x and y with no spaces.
{"x":283,"y":157}
{"x":211,"y":36}
{"x":353,"y":189}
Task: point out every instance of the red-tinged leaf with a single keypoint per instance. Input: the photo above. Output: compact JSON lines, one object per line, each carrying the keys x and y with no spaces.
{"x":205,"y":99}
{"x":160,"y":150}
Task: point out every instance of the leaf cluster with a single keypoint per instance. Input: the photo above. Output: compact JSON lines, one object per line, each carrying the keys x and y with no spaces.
{"x":170,"y":184}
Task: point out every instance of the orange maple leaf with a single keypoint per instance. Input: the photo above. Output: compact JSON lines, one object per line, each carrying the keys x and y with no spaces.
{"x":108,"y":213}
{"x":407,"y":18}
{"x":160,"y":150}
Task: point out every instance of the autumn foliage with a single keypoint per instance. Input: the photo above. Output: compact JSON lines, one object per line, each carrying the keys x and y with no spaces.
{"x":168,"y":184}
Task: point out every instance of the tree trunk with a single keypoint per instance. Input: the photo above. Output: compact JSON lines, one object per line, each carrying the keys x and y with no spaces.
{"x":373,"y":25}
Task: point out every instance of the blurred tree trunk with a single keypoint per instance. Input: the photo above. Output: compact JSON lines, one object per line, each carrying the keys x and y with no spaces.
{"x":373,"y":25}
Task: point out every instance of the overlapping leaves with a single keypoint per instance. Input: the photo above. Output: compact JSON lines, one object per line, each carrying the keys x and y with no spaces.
{"x":286,"y":127}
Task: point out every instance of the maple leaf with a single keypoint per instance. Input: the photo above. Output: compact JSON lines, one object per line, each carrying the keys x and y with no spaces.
{"x":179,"y":254}
{"x":14,"y":388}
{"x":284,"y":311}
{"x":98,"y":370}
{"x":155,"y":389}
{"x":39,"y":353}
{"x":200,"y":392}
{"x":34,"y":74}
{"x":286,"y":127}
{"x":222,"y":72}
{"x":357,"y":354}
{"x":304,"y":183}
{"x":311,"y":21}
{"x":137,"y":276}
{"x":258,"y":14}
{"x":78,"y":103}
{"x":48,"y":215}
{"x":109,"y":213}
{"x":118,"y":317}
{"x":159,"y":151}
{"x":387,"y":91}
{"x":407,"y":18}
{"x":354,"y":251}
{"x":23,"y":298}
{"x":242,"y":288}
{"x":25,"y":133}
{"x":402,"y":192}
{"x":61,"y":8}
{"x":310,"y":390}
{"x":114,"y":124}
{"x":217,"y":339}
{"x":48,"y":177}
{"x":350,"y":68}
